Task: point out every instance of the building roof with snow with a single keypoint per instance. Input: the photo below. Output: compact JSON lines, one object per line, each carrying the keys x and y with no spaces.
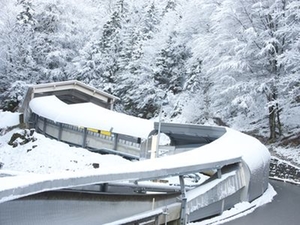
{"x":69,"y":92}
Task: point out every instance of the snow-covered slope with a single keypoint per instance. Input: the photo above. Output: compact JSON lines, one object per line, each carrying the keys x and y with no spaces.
{"x":44,"y":155}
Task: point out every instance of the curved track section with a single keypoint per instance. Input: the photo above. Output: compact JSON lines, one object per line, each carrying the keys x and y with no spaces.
{"x":240,"y":164}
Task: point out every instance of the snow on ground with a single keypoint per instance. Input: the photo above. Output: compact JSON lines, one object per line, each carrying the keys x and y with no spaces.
{"x":8,"y":119}
{"x":44,"y":155}
{"x":49,"y":156}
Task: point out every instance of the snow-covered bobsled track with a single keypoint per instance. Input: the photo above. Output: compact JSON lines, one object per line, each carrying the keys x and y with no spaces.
{"x":236,"y":168}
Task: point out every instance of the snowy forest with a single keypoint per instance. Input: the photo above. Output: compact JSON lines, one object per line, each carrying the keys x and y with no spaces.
{"x":225,"y":62}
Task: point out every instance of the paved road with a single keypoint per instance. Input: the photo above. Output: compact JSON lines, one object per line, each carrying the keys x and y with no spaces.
{"x":283,"y":210}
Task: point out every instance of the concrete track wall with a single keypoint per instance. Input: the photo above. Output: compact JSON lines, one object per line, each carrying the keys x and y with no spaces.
{"x":79,"y":136}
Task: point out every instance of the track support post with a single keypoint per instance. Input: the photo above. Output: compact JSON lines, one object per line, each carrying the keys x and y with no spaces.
{"x":183,"y":216}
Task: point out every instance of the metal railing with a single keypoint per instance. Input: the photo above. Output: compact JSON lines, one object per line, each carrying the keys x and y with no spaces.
{"x":88,"y":138}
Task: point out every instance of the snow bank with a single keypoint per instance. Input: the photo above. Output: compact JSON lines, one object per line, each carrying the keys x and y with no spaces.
{"x":46,"y":156}
{"x":253,"y":152}
{"x":8,"y":119}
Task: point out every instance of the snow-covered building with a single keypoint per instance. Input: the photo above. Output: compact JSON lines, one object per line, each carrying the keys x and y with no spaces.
{"x":70,"y":92}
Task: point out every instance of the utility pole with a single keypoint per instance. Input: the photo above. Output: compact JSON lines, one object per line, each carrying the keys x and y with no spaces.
{"x":158,"y":132}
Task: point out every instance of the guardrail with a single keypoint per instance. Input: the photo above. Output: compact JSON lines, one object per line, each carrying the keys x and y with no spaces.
{"x":91,"y":139}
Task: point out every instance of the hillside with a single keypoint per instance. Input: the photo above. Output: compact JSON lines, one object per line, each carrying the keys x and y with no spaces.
{"x":227,"y":62}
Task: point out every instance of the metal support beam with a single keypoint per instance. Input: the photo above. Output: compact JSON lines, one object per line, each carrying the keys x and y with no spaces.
{"x":104,"y":187}
{"x":36,"y":120}
{"x":158,"y":134}
{"x":183,"y":216}
{"x":165,"y":213}
{"x":116,"y":142}
{"x":219,"y":173}
{"x":59,"y":132}
{"x":84,"y":137}
{"x":44,"y":125}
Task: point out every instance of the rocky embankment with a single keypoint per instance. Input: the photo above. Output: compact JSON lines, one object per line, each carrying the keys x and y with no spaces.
{"x":281,"y":167}
{"x":283,"y":170}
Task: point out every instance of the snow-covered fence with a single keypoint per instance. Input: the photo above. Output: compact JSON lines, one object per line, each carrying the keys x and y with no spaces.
{"x":83,"y":137}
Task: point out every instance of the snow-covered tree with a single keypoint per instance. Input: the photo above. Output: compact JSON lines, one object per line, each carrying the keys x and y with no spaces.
{"x":110,"y":47}
{"x":150,"y":21}
{"x":170,"y":6}
{"x":16,"y":42}
{"x":246,"y":44}
{"x":170,"y":73}
{"x":57,"y":40}
{"x":233,"y":61}
{"x":134,"y":75}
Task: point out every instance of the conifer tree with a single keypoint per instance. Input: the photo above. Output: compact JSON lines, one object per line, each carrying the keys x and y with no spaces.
{"x":151,"y":21}
{"x":170,"y":73}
